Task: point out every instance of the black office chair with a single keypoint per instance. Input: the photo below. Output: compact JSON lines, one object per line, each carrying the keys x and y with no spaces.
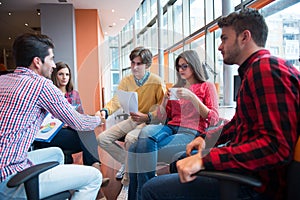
{"x":230,"y":182}
{"x":30,"y":178}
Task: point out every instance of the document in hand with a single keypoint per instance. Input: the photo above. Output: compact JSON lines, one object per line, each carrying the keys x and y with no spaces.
{"x":128,"y":101}
{"x":49,"y":128}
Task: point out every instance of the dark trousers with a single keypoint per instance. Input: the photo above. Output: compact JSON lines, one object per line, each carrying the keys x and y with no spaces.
{"x":71,"y":141}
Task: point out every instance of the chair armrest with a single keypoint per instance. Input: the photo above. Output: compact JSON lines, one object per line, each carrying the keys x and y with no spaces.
{"x":233,"y":177}
{"x":30,"y":173}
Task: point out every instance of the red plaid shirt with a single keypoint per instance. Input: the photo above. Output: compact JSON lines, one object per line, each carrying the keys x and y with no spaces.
{"x":266,"y":125}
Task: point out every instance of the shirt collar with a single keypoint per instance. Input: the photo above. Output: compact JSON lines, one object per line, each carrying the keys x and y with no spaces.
{"x":25,"y":70}
{"x":142,"y":80}
{"x":247,"y":63}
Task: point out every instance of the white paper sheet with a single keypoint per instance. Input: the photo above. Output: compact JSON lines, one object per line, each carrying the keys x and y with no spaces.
{"x":128,"y":101}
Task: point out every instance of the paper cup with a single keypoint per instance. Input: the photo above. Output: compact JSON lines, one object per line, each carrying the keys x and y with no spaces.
{"x":173,"y":95}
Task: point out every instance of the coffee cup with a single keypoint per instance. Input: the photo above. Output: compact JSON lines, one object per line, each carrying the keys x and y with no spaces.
{"x":173,"y":94}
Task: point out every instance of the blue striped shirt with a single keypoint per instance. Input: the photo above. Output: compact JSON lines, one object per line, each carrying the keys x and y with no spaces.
{"x":25,"y":98}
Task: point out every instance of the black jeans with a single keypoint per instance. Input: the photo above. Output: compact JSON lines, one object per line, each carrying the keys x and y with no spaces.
{"x":71,"y":141}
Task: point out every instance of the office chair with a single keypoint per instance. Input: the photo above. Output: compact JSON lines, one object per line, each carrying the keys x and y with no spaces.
{"x":230,"y":182}
{"x":30,"y":178}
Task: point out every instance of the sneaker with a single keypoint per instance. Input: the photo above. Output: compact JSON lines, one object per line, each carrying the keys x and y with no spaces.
{"x":120,"y":173}
{"x":125,"y":180}
{"x":105,"y":182}
{"x":123,"y":194}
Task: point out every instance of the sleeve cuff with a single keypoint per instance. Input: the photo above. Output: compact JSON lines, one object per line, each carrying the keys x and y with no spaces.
{"x":106,"y":112}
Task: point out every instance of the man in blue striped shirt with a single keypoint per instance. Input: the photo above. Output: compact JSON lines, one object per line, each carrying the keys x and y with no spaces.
{"x":26,"y":96}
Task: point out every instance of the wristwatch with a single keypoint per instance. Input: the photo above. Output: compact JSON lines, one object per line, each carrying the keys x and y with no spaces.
{"x":149,"y":118}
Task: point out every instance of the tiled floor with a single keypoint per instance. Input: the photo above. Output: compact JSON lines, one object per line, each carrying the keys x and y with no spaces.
{"x":123,"y":194}
{"x":114,"y":189}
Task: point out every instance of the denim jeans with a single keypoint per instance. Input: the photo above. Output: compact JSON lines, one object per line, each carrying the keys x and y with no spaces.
{"x":85,"y":180}
{"x":169,"y":187}
{"x":156,"y":143}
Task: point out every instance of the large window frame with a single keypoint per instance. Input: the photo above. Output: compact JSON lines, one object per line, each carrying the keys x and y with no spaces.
{"x":180,"y":33}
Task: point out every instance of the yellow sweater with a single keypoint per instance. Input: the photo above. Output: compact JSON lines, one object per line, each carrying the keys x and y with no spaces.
{"x":149,"y":94}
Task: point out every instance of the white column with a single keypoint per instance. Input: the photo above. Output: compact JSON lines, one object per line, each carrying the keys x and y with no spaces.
{"x":160,"y":34}
{"x":228,"y":70}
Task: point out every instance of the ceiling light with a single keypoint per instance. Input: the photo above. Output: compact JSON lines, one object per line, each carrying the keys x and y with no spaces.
{"x":114,"y":24}
{"x":112,"y":10}
{"x":105,"y":33}
{"x":9,"y":38}
{"x":0,"y":3}
{"x":122,"y":19}
{"x":9,"y":13}
{"x":38,"y":11}
{"x":26,"y":24}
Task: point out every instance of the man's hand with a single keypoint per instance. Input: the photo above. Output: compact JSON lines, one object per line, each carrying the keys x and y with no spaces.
{"x":101,"y":115}
{"x":139,"y":117}
{"x":188,"y":166}
{"x":198,"y":143}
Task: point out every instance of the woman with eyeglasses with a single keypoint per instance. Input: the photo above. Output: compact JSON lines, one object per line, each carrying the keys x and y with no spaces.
{"x":194,"y":110}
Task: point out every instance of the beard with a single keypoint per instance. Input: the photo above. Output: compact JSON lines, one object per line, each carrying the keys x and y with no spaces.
{"x":232,"y":55}
{"x":46,"y":73}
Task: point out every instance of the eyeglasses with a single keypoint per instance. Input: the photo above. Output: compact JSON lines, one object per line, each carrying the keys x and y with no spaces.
{"x":183,"y":67}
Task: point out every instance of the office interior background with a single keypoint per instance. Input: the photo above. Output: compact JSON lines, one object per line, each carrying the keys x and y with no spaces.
{"x":166,"y":27}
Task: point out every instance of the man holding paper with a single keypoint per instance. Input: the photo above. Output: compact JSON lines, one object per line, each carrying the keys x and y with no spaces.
{"x":150,"y":91}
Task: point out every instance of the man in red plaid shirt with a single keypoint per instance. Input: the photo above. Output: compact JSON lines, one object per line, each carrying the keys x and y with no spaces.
{"x":262,"y":135}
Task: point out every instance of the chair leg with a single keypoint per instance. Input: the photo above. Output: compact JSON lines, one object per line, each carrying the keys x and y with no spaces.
{"x":32,"y":188}
{"x":68,"y":157}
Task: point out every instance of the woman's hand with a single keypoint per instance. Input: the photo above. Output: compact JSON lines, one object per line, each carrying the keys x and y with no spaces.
{"x":184,"y":93}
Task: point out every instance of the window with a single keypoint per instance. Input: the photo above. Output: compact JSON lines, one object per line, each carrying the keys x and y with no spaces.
{"x":177,"y":18}
{"x":196,"y":14}
{"x":153,"y":8}
{"x":284,"y":32}
{"x":115,"y":58}
{"x":115,"y":77}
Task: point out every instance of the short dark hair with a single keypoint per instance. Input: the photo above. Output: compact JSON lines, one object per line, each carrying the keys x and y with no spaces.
{"x":247,"y":19}
{"x":59,"y":66}
{"x":28,"y":46}
{"x":144,"y":53}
